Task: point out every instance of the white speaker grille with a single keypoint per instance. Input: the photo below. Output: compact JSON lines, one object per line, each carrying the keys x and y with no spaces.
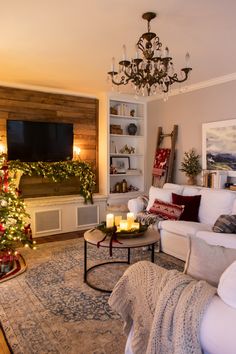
{"x":87,"y":215}
{"x":49,"y":220}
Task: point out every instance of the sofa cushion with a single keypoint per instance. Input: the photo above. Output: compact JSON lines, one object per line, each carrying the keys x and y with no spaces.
{"x":183,"y":228}
{"x":166,"y":210}
{"x":159,"y":193}
{"x":214,"y":238}
{"x":191,"y":206}
{"x":227,"y":286}
{"x":176,"y":188}
{"x":191,"y":191}
{"x":225,"y":224}
{"x":214,"y":202}
{"x":207,"y":262}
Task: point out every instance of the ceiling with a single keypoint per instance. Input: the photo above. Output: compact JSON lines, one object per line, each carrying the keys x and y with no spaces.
{"x":68,"y":44}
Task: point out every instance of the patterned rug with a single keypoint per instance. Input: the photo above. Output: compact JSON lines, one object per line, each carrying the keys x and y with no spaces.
{"x":49,"y":309}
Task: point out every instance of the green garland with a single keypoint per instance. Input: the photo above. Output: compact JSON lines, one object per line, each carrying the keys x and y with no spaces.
{"x":60,"y":171}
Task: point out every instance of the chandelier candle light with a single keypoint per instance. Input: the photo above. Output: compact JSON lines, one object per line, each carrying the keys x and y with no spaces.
{"x":154,"y":70}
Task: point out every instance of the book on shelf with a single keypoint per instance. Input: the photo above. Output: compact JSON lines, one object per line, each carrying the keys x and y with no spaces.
{"x":214,"y":179}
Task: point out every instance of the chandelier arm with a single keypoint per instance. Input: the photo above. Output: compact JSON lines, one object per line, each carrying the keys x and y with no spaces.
{"x":122,"y":81}
{"x":175,"y":78}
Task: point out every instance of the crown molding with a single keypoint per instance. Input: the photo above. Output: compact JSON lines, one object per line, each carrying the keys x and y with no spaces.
{"x":198,"y":86}
{"x":45,"y":89}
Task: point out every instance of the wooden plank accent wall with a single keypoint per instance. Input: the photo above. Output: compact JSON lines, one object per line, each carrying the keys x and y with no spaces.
{"x":21,"y":104}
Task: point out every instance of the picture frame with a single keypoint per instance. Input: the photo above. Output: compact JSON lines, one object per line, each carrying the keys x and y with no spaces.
{"x":120,"y":163}
{"x":219,"y":146}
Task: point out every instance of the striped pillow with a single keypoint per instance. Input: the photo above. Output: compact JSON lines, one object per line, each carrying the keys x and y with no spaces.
{"x":225,"y":224}
{"x":166,"y":210}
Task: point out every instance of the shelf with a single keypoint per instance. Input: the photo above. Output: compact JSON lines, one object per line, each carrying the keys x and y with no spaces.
{"x":125,"y":174}
{"x":125,"y":117}
{"x":118,"y":142}
{"x":126,"y":136}
{"x":130,"y":195}
{"x":125,"y":155}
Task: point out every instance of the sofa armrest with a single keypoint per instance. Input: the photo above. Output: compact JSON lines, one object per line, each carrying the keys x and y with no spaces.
{"x":137,"y":204}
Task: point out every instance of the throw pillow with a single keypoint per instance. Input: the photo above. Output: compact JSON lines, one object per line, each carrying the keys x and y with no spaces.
{"x":207,"y":262}
{"x":166,"y":210}
{"x":191,"y":206}
{"x":225,"y":224}
{"x":159,"y":193}
{"x":227,"y":286}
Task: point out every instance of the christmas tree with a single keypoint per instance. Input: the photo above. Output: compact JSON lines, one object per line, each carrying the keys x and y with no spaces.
{"x":14,"y":221}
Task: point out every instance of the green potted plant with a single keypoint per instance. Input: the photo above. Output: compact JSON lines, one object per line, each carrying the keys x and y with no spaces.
{"x":191,"y":166}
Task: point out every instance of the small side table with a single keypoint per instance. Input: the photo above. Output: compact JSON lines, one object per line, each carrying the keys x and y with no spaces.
{"x":149,"y":238}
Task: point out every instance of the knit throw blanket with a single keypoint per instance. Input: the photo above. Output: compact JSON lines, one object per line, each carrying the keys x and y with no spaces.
{"x":165,"y":308}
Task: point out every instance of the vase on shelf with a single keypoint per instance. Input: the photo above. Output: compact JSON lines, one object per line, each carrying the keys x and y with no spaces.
{"x":132,"y":129}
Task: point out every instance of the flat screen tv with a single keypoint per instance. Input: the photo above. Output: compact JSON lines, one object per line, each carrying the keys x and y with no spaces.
{"x":39,"y":141}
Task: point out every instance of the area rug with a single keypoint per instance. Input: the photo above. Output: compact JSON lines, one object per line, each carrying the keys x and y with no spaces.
{"x":49,"y":309}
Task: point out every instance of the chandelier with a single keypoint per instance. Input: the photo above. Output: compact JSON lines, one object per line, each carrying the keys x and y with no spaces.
{"x":154,"y":70}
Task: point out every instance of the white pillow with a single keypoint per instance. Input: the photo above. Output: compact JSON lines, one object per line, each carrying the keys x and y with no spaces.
{"x":190,"y":191}
{"x":227,"y":286}
{"x":176,"y":188}
{"x":159,"y":193}
{"x":214,"y":202}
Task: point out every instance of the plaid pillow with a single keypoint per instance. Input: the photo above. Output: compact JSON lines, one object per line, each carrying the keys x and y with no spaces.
{"x":225,"y":224}
{"x":166,"y":210}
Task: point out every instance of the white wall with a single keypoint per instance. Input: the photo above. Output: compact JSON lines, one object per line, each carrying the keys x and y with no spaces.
{"x":188,"y":111}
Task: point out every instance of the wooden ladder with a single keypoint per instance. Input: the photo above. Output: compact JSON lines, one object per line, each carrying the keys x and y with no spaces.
{"x":168,"y":175}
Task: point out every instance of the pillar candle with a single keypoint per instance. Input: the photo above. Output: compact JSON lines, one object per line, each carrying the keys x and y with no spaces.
{"x":117,"y":220}
{"x":109,"y":220}
{"x":130,"y":219}
{"x":123,"y":225}
{"x":135,"y":225}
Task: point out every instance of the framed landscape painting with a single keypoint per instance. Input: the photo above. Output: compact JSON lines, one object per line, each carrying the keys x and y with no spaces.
{"x":219,"y":146}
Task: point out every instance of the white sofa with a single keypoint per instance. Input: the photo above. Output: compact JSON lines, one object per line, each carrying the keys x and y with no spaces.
{"x":217,"y":328}
{"x":174,"y":234}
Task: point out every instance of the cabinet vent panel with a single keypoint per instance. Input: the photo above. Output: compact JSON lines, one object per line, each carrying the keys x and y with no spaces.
{"x":49,"y":220}
{"x":87,"y":215}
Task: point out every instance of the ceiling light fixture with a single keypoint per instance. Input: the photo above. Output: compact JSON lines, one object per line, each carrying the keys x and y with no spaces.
{"x":154,"y":70}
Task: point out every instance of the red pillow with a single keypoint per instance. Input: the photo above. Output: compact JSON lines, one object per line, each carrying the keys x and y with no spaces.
{"x":191,"y":204}
{"x":166,"y":210}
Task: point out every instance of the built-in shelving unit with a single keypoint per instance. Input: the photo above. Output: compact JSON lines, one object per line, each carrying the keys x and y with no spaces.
{"x":123,"y":164}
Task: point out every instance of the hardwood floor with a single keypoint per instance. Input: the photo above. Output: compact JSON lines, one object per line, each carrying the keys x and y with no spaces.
{"x":4,"y":348}
{"x":60,"y":237}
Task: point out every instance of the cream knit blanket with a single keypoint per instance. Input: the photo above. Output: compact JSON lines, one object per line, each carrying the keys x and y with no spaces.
{"x":165,"y":308}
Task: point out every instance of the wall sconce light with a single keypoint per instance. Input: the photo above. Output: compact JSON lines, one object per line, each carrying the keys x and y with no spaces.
{"x":76,"y":152}
{"x":2,"y":145}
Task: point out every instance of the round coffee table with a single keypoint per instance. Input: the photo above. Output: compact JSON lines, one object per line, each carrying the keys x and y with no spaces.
{"x":149,"y":238}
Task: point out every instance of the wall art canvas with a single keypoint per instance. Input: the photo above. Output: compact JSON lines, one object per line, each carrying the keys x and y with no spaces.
{"x":219,"y":146}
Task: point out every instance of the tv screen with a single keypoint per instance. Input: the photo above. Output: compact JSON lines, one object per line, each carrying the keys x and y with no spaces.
{"x":39,"y":141}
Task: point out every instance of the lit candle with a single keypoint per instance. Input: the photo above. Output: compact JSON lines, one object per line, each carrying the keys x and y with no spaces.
{"x":113,"y":64}
{"x":123,"y":225}
{"x":135,"y":225}
{"x":109,"y":220}
{"x":136,"y":52}
{"x":187,"y":60}
{"x":124,"y":53}
{"x":166,"y":52}
{"x":130,"y":219}
{"x":118,"y":220}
